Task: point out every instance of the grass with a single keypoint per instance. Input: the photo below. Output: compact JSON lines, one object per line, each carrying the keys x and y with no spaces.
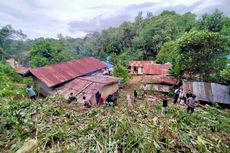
{"x":140,"y":129}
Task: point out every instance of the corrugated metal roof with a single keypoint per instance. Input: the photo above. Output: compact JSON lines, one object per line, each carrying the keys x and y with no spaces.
{"x":85,"y":86}
{"x":56,"y":74}
{"x":158,"y":69}
{"x":150,"y":67}
{"x":140,"y":63}
{"x":158,"y":79}
{"x":211,"y":92}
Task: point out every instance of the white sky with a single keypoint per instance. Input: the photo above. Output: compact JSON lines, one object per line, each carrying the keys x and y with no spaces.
{"x":75,"y":18}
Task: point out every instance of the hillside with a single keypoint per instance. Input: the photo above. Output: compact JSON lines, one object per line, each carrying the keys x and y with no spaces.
{"x":196,"y":48}
{"x":62,"y":127}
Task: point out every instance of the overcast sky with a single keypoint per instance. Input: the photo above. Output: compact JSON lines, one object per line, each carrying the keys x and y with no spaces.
{"x":75,"y":18}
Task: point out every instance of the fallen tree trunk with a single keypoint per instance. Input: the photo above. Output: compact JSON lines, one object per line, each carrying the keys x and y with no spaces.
{"x":28,"y":147}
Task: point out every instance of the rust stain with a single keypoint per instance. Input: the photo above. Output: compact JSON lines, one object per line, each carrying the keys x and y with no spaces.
{"x":56,"y":74}
{"x":150,"y":67}
{"x":85,"y":86}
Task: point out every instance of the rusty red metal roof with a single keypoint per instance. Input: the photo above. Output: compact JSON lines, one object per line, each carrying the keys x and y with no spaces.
{"x":157,"y":69}
{"x":140,"y":63}
{"x":85,"y":86}
{"x":158,"y":79}
{"x":150,"y":67}
{"x":210,"y":92}
{"x":56,"y":74}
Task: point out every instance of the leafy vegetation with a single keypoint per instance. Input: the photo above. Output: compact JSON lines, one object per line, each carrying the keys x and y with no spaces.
{"x":202,"y":53}
{"x":152,"y":37}
{"x":11,"y":84}
{"x":122,"y":72}
{"x":141,"y":129}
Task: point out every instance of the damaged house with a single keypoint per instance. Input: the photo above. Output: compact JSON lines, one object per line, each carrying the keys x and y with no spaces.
{"x":154,"y":75}
{"x":67,"y":77}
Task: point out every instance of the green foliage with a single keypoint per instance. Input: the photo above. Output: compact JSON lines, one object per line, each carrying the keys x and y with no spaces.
{"x":7,"y":32}
{"x":168,"y":53}
{"x":122,"y":72}
{"x":225,"y":74}
{"x":140,"y":129}
{"x":175,"y":69}
{"x":11,"y":84}
{"x":160,"y":29}
{"x":202,"y":53}
{"x":45,"y":52}
{"x":213,"y":22}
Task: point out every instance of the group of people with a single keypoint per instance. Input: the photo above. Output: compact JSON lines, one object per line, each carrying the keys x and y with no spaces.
{"x":183,"y":98}
{"x":179,"y":96}
{"x":87,"y":103}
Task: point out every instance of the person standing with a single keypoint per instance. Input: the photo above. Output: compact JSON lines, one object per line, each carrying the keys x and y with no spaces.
{"x":135,"y":95}
{"x":101,"y":100}
{"x":30,"y":92}
{"x":165,"y":104}
{"x":189,"y":94}
{"x":176,"y":95}
{"x":97,"y":97}
{"x":191,"y":103}
{"x":144,"y":90}
{"x":182,"y":97}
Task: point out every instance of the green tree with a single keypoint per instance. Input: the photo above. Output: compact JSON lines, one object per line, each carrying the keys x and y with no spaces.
{"x":213,"y":22}
{"x":160,"y":29}
{"x":225,"y":74}
{"x":41,"y":53}
{"x":168,"y":53}
{"x":202,"y":53}
{"x":122,"y":72}
{"x":7,"y":32}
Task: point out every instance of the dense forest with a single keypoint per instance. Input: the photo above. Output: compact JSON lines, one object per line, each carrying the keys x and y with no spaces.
{"x":198,"y":45}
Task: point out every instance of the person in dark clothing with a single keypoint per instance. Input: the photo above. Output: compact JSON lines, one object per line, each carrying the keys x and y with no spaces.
{"x":176,"y":95}
{"x":191,"y":103}
{"x":86,"y":103}
{"x":179,"y":83}
{"x":189,"y":94}
{"x":97,"y":97}
{"x":165,"y":104}
{"x":135,"y":95}
{"x":72,"y":98}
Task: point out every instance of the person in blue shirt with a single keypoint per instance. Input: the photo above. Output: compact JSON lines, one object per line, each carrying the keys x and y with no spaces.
{"x":30,"y":92}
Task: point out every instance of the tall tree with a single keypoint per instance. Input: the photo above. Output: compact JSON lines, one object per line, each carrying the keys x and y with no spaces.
{"x":213,"y":22}
{"x":202,"y":53}
{"x":7,"y":32}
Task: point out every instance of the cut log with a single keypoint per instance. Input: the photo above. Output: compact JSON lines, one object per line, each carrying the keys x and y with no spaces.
{"x":29,"y":146}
